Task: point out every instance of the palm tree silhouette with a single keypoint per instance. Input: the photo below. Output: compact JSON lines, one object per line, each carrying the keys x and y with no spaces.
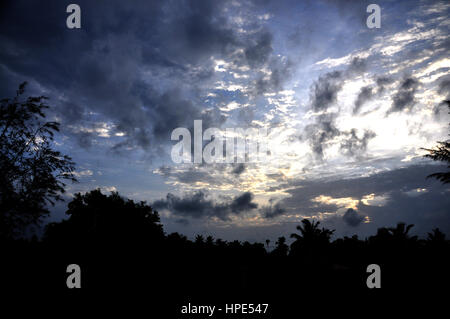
{"x":312,"y":239}
{"x":436,"y":236}
{"x":400,"y":232}
{"x":311,"y":233}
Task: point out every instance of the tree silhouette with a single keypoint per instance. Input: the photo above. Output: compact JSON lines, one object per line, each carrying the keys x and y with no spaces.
{"x":281,"y":248}
{"x":311,"y":238}
{"x":393,"y":235}
{"x":199,"y":240}
{"x":400,"y":232}
{"x":441,"y":152}
{"x":311,"y":233}
{"x":436,"y":236}
{"x":102,"y":218}
{"x":209,"y":241}
{"x":31,"y":171}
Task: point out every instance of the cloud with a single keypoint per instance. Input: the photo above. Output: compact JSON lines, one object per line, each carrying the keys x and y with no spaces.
{"x":382,"y":81}
{"x":321,"y":132}
{"x":324,"y":91}
{"x":83,"y":173}
{"x":259,"y":50}
{"x":272,"y":211}
{"x":243,"y":203}
{"x":199,"y":205}
{"x":323,"y":95}
{"x":444,"y":87}
{"x":324,"y":131}
{"x":280,"y":71}
{"x":238,"y":169}
{"x":366,"y":94}
{"x":369,"y":92}
{"x":357,"y":66}
{"x":190,"y":175}
{"x":355,"y":146}
{"x":404,"y":97}
{"x":352,"y":217}
{"x":145,"y":75}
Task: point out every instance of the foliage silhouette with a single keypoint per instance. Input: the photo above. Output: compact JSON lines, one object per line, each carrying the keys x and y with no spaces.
{"x":436,"y":236}
{"x":31,"y":171}
{"x":101,"y":218}
{"x":281,"y":249}
{"x":441,"y":152}
{"x":400,"y":232}
{"x":311,"y":238}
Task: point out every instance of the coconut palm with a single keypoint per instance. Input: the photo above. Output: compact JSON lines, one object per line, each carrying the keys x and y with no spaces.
{"x":311,"y":238}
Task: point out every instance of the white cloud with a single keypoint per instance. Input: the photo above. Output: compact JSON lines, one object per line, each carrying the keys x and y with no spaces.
{"x":83,"y":173}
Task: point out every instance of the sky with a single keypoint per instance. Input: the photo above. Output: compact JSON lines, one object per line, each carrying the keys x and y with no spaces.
{"x":347,"y":108}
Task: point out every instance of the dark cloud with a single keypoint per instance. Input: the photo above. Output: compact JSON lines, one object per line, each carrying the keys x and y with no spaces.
{"x":243,"y":203}
{"x":171,"y":110}
{"x":196,"y":205}
{"x":444,"y":87}
{"x":272,"y":211}
{"x":280,"y":70}
{"x":199,"y":205}
{"x":323,"y":94}
{"x":139,"y":66}
{"x":355,"y":146}
{"x":404,"y":98}
{"x":324,"y":91}
{"x":321,"y":132}
{"x":259,"y":50}
{"x":352,"y":217}
{"x":357,"y":65}
{"x":213,"y":174}
{"x":324,"y":131}
{"x":365,"y":94}
{"x":238,"y":169}
{"x":369,"y":92}
{"x":202,"y":30}
{"x":383,"y":81}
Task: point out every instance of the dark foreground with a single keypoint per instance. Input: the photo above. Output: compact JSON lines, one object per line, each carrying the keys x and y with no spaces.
{"x":127,"y":262}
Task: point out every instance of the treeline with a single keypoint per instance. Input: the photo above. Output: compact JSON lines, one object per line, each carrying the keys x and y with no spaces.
{"x":121,"y":245}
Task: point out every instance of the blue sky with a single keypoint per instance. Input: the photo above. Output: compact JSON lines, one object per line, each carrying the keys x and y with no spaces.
{"x":348,"y":108}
